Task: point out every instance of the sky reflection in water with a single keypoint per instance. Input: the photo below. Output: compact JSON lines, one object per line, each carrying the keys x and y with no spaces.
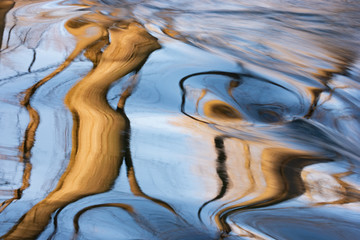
{"x":173,"y":120}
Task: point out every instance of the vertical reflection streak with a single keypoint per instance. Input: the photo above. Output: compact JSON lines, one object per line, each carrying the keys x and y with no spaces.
{"x":5,"y":7}
{"x":221,"y":171}
{"x":9,"y":36}
{"x":281,"y":168}
{"x":25,"y":154}
{"x":130,"y":171}
{"x":32,"y":61}
{"x":219,"y":140}
{"x":95,"y":162}
{"x":250,"y":176}
{"x":134,"y":185}
{"x":55,"y":223}
{"x":221,"y":166}
{"x":30,"y":132}
{"x":18,"y":192}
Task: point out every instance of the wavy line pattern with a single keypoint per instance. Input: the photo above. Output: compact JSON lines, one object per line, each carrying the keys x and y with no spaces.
{"x":179,"y":120}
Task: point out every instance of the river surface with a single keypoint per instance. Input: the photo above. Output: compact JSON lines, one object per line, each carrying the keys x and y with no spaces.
{"x":158,"y":119}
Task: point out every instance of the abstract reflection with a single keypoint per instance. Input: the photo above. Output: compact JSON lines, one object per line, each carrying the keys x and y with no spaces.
{"x":280,"y":168}
{"x":242,"y":124}
{"x":97,"y":151}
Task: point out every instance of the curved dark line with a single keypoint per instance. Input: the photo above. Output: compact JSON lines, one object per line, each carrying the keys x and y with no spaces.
{"x":233,"y":85}
{"x":25,"y":151}
{"x":8,"y":40}
{"x":316,"y":95}
{"x":55,"y":223}
{"x":181,"y":85}
{"x":29,"y":139}
{"x":247,"y":155}
{"x":26,"y":73}
{"x":221,"y":171}
{"x":126,"y":136}
{"x":237,"y":76}
{"x":125,"y":207}
{"x":33,"y":60}
{"x":30,"y":132}
{"x":289,"y":170}
{"x":129,"y":162}
{"x":234,"y":75}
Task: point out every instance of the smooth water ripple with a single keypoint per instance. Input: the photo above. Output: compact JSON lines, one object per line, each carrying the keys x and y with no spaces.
{"x":179,"y":119}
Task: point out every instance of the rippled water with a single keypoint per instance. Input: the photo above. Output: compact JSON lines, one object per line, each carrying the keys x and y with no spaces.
{"x":179,"y":119}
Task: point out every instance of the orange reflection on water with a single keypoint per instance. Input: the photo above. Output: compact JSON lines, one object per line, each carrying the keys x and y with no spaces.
{"x":236,"y":117}
{"x":281,"y":170}
{"x":5,"y":6}
{"x":97,"y":143}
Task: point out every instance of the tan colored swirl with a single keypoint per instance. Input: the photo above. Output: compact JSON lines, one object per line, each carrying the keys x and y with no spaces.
{"x":91,"y":37}
{"x":281,"y":168}
{"x":97,"y":144}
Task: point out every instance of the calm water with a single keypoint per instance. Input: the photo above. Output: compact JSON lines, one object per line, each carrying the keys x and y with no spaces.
{"x":179,"y":119}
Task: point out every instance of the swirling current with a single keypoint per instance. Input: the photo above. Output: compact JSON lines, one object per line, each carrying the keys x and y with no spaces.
{"x":153,"y":119}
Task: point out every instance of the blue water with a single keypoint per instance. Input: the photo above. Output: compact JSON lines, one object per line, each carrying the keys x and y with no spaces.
{"x":179,"y":119}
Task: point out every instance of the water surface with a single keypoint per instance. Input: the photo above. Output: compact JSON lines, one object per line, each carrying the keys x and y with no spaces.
{"x":179,"y":119}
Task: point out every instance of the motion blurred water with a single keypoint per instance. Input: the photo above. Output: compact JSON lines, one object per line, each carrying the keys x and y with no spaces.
{"x":179,"y":119}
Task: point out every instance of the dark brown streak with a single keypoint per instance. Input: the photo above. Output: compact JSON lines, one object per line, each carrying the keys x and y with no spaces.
{"x":18,"y":192}
{"x":221,"y":171}
{"x":249,"y":174}
{"x":101,"y":151}
{"x":182,"y":87}
{"x":325,"y":76}
{"x":134,"y":185}
{"x":33,"y":60}
{"x":25,"y":150}
{"x":287,"y":169}
{"x":237,"y":77}
{"x":29,"y":139}
{"x":8,"y":39}
{"x":55,"y":223}
{"x":30,"y":132}
{"x":316,"y":96}
{"x":123,"y":206}
{"x":5,"y":7}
